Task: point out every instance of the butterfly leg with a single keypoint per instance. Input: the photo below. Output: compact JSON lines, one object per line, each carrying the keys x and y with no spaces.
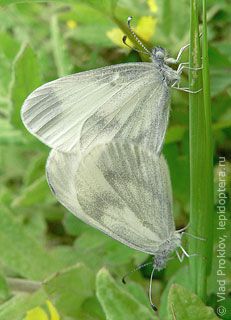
{"x":182,"y":50}
{"x":181,"y":258}
{"x":190,"y":255}
{"x":186,"y":227}
{"x":175,"y":61}
{"x":182,"y":66}
{"x":176,"y":85}
{"x":190,"y":235}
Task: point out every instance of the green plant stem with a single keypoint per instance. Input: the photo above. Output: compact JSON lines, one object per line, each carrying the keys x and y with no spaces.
{"x":209,"y":142}
{"x":23,"y":285}
{"x":201,"y":181}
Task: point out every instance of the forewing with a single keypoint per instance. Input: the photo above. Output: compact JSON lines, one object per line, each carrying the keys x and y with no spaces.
{"x":126,"y":190}
{"x":129,"y":101}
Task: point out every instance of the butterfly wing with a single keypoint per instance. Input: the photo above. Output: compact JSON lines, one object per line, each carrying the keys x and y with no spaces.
{"x":121,"y":189}
{"x":129,"y":101}
{"x":60,"y":170}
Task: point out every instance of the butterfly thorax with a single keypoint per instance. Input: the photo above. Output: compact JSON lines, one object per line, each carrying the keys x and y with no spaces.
{"x":159,"y":59}
{"x":165,"y":249}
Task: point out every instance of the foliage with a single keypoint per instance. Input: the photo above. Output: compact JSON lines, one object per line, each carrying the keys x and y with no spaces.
{"x":67,"y":269}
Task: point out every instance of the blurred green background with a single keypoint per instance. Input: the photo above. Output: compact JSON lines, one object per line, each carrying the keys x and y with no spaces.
{"x":40,"y":42}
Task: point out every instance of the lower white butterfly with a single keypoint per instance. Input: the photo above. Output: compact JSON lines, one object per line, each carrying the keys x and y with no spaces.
{"x":123,"y":190}
{"x":128,"y":101}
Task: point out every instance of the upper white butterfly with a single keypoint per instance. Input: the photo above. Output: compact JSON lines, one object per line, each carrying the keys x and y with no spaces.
{"x":128,"y":101}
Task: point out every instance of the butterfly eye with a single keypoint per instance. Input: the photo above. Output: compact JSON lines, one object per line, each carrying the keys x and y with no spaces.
{"x":160,"y":55}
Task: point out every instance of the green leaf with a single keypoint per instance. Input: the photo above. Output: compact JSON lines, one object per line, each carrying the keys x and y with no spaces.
{"x":9,"y":49}
{"x":83,"y":14}
{"x":26,"y":79}
{"x":6,"y":2}
{"x":175,"y":133}
{"x":219,"y":71}
{"x":16,"y":307}
{"x":36,"y":168}
{"x":92,"y":34}
{"x":137,"y":291}
{"x":182,"y":278}
{"x":201,"y":158}
{"x":9,"y":46}
{"x":75,"y":226}
{"x":38,"y":191}
{"x":66,"y":254}
{"x":118,"y":253}
{"x":91,"y":240}
{"x":106,"y":6}
{"x":117,"y":303}
{"x":21,"y":252}
{"x":8,"y":134}
{"x":187,"y":305}
{"x":92,"y":309}
{"x":62,"y":59}
{"x":4,"y":292}
{"x":69,"y":288}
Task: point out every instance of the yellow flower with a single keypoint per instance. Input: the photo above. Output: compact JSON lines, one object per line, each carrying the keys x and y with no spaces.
{"x":47,"y":312}
{"x":152,"y":6}
{"x":54,"y":314}
{"x":116,"y":36}
{"x":145,"y":28}
{"x":36,"y":313}
{"x":71,"y":24}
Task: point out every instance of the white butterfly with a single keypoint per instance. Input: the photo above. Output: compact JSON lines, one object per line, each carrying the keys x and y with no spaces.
{"x":128,"y":101}
{"x":123,"y":190}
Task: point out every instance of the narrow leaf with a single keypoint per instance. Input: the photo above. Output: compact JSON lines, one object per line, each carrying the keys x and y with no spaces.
{"x":62,"y":61}
{"x":201,"y":180}
{"x":26,"y":79}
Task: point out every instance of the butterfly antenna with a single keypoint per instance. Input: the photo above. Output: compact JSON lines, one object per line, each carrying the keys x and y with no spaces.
{"x":136,"y":37}
{"x":141,"y":266}
{"x":124,"y":41}
{"x":150,"y":291}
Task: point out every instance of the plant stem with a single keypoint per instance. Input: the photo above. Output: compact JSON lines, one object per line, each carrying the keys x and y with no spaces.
{"x":201,"y":180}
{"x":209,"y":142}
{"x":23,"y":285}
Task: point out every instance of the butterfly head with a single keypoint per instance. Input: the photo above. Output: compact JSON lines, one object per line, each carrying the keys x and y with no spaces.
{"x":159,"y":55}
